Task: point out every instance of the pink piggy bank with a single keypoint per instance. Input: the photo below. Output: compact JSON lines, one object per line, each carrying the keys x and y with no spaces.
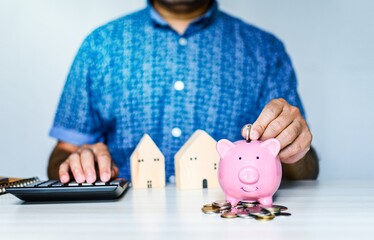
{"x":249,"y":171}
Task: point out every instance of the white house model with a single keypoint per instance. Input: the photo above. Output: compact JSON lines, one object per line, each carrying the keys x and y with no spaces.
{"x":196,"y":163}
{"x":147,"y":165}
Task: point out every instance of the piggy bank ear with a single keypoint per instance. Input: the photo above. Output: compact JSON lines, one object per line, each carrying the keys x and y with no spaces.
{"x":224,"y":146}
{"x":273,"y":145}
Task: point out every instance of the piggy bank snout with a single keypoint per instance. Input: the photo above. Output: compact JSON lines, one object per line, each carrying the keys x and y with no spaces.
{"x":248,"y":175}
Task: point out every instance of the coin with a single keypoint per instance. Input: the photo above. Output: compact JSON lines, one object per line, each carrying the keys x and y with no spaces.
{"x":221,"y":203}
{"x":249,"y":204}
{"x":229,"y":215}
{"x":235,"y":210}
{"x":264,"y":217}
{"x":257,"y":210}
{"x":208,"y":208}
{"x":275,"y":208}
{"x":243,"y":214}
{"x":245,"y":209}
{"x":224,"y":208}
{"x":247,"y":132}
{"x":239,"y":207}
{"x":260,"y":213}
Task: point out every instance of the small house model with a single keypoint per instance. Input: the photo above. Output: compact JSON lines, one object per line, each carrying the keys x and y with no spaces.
{"x":147,"y":165}
{"x":196,"y":163}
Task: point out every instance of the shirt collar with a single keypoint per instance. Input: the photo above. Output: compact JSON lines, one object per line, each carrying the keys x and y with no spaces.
{"x":158,"y":20}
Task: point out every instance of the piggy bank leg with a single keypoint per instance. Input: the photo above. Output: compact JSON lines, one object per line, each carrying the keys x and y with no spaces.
{"x":266,"y":201}
{"x":232,"y":200}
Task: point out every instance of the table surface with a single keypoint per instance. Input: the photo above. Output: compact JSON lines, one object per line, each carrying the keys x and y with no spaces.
{"x":320,"y":210}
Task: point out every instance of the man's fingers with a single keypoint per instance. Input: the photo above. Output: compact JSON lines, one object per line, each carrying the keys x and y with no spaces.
{"x":88,"y":164}
{"x":271,"y":111}
{"x":289,"y":134}
{"x":284,"y":122}
{"x":82,"y":165}
{"x":104,"y":162}
{"x":297,"y":149}
{"x":275,"y":127}
{"x":63,"y":172}
{"x":76,"y":167}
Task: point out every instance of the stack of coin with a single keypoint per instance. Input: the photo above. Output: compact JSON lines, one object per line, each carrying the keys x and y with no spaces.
{"x":245,"y":210}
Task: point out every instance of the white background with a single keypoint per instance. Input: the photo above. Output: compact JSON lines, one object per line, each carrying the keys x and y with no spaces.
{"x":330,"y":43}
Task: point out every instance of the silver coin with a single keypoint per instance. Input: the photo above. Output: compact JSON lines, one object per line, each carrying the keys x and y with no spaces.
{"x":282,"y":208}
{"x":225,"y":210}
{"x":248,"y":201}
{"x":272,"y":209}
{"x":239,"y":207}
{"x":275,"y":208}
{"x":245,"y":209}
{"x":247,"y":132}
{"x":243,"y":214}
{"x":225,"y":207}
{"x":221,"y":203}
{"x":249,"y":204}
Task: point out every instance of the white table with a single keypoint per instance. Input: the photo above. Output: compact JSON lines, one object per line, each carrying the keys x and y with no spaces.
{"x":320,"y":210}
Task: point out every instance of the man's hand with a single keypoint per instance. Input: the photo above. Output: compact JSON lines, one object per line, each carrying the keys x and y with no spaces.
{"x":284,"y":122}
{"x":84,"y":164}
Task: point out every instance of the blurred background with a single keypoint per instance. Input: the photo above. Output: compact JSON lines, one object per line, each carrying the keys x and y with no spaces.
{"x":330,"y":44}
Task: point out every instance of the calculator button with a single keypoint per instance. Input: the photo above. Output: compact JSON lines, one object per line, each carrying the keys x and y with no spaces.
{"x":47,"y":183}
{"x":74,"y":184}
{"x":100,"y":183}
{"x":35,"y":184}
{"x":115,"y":182}
{"x":58,"y":184}
{"x":87,"y":184}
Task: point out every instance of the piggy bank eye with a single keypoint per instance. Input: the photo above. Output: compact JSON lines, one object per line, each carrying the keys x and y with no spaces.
{"x":257,"y":157}
{"x":240,"y":158}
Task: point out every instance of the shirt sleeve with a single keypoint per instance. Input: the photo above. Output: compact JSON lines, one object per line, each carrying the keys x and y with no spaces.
{"x":280,"y":80}
{"x":75,"y":121}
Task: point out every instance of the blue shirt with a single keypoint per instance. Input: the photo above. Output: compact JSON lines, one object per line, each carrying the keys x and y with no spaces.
{"x":136,"y":75}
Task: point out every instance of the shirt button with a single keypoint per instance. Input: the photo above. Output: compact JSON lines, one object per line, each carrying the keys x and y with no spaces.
{"x":179,"y":85}
{"x":176,"y":132}
{"x":182,"y":41}
{"x":172,"y":179}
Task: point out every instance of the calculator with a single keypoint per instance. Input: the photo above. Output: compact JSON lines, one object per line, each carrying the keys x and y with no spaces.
{"x":54,"y":190}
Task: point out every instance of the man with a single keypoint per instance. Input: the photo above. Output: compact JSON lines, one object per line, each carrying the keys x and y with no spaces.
{"x":168,"y":70}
